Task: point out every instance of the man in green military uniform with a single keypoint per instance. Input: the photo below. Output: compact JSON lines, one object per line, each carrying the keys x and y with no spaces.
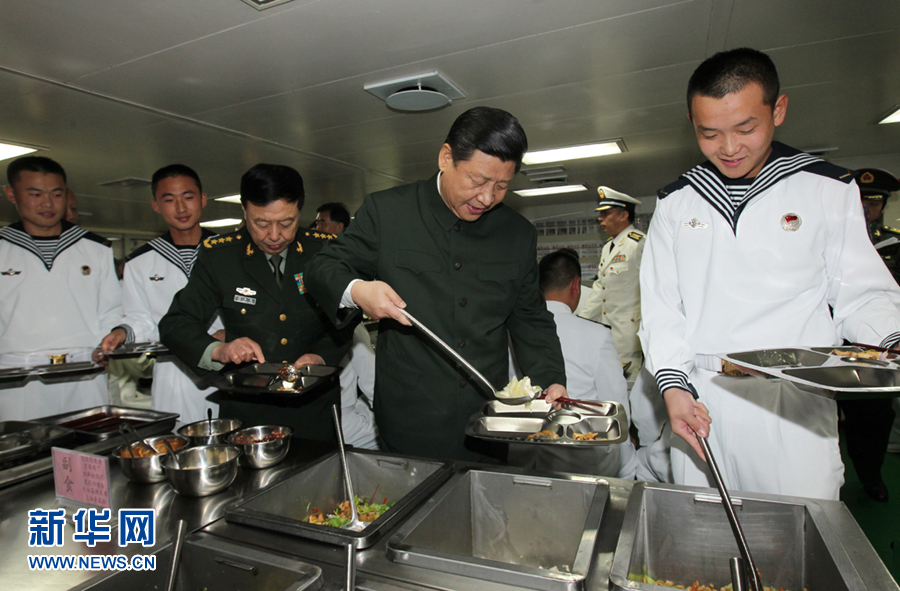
{"x":464,"y":265}
{"x":876,"y":186}
{"x":254,"y":279}
{"x":867,"y":423}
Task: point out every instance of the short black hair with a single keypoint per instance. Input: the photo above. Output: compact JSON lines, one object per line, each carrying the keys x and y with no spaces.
{"x":492,"y":131}
{"x":40,"y":164}
{"x":171,"y":171}
{"x":730,"y":71}
{"x":338,"y":212}
{"x":557,"y":270}
{"x":266,"y":183}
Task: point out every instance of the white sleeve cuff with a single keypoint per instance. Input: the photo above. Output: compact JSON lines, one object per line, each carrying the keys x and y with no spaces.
{"x":346,"y":299}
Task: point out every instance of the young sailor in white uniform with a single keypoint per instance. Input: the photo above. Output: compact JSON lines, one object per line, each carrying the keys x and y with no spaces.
{"x":615,"y":298}
{"x":58,"y":293}
{"x":155,"y":272}
{"x":760,"y":247}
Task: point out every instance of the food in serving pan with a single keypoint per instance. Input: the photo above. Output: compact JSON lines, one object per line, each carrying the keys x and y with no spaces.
{"x":249,"y":437}
{"x":368,"y":512}
{"x":519,"y":389}
{"x":585,"y":436}
{"x":545,"y":435}
{"x":139,"y":450}
{"x":867,"y":354}
{"x":696,"y":586}
{"x":101,"y":423}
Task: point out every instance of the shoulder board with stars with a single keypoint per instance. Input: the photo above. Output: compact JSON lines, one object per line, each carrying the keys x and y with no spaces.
{"x":635,"y":236}
{"x":890,"y":229}
{"x":321,"y":235}
{"x":220,"y":240}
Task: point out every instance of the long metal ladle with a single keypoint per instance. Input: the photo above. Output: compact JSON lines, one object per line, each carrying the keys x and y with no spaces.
{"x":354,"y":524}
{"x":459,"y":358}
{"x":750,"y":566}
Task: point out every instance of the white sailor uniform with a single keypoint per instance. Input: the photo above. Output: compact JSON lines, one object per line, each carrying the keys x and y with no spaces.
{"x":615,"y":298}
{"x":785,"y":263}
{"x":357,"y":418}
{"x":57,"y":295}
{"x":154,"y":273}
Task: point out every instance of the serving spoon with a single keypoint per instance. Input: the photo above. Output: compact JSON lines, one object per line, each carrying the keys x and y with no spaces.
{"x":461,"y":360}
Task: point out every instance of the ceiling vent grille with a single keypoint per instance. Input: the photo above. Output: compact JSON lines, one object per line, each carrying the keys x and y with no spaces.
{"x":546,"y":174}
{"x":422,"y":92}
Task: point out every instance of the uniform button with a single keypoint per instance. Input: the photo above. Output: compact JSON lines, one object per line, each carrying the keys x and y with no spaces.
{"x":462,"y":384}
{"x":284,"y":361}
{"x":457,"y":266}
{"x":462,"y":343}
{"x":604,"y":311}
{"x":283,"y":317}
{"x":463,"y":302}
{"x":284,"y":341}
{"x":604,"y":299}
{"x":243,"y":310}
{"x":602,"y":287}
{"x":456,"y":227}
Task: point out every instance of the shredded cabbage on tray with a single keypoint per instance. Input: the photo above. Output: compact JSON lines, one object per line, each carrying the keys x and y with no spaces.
{"x":519,"y":389}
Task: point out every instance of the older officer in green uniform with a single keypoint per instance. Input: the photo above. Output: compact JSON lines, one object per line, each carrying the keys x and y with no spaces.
{"x":448,"y":251}
{"x":254,"y":279}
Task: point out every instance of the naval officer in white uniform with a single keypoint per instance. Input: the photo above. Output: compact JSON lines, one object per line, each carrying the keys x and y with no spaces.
{"x":59,"y":293}
{"x":158,"y":270}
{"x":615,"y":298}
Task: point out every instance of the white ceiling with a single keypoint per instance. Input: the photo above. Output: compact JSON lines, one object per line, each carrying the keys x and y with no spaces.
{"x":117,"y":89}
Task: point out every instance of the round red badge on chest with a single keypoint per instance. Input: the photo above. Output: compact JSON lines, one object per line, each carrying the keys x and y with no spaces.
{"x":790,"y":222}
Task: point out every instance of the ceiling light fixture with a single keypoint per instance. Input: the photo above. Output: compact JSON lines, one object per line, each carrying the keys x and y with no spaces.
{"x":422,"y":92}
{"x":892,"y":117}
{"x":14,"y":150}
{"x":223,"y":223}
{"x":229,"y":199}
{"x":574,"y":152}
{"x":540,"y":192}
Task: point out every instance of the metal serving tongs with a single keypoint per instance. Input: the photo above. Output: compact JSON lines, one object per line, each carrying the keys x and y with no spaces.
{"x":459,"y":358}
{"x":749,"y":565}
{"x":354,"y":524}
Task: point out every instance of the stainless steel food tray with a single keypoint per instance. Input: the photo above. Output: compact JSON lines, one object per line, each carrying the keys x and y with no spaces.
{"x":21,"y":439}
{"x":256,"y":377}
{"x":208,"y":562}
{"x":681,"y":534}
{"x":138,"y":349}
{"x":106,"y":420}
{"x":282,"y":508}
{"x":817,"y":371}
{"x":513,"y":424}
{"x":17,"y":376}
{"x":526,"y":531}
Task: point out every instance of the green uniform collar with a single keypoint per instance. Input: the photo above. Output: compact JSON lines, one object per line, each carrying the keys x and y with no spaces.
{"x":443,"y":214}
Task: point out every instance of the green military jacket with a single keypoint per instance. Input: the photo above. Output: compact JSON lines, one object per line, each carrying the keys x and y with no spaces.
{"x":233,"y":278}
{"x":472,"y":283}
{"x":890,"y":254}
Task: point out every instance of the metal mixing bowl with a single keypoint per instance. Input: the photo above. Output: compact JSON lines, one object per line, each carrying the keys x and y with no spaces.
{"x":149,"y":469}
{"x":213,"y":432}
{"x":264,"y":453}
{"x":203,"y":470}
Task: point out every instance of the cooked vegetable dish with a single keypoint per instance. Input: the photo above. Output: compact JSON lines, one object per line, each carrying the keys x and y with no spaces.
{"x":368,"y":512}
{"x":247,"y":438}
{"x":139,"y":450}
